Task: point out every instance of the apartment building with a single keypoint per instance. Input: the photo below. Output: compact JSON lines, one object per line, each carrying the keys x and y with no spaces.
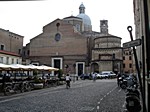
{"x":128,"y":61}
{"x":11,"y":45}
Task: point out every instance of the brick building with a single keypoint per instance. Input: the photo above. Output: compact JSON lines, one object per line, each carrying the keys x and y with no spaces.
{"x":71,"y":41}
{"x":128,"y":61}
{"x":59,"y":45}
{"x":11,"y":45}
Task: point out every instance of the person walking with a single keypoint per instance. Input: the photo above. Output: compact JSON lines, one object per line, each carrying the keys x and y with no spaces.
{"x":94,"y":76}
{"x":118,"y":76}
{"x":68,"y":79}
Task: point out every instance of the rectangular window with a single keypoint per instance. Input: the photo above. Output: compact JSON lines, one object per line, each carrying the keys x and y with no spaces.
{"x":19,"y":51}
{"x":17,"y":61}
{"x":12,"y":61}
{"x":2,"y":47}
{"x":28,"y":52}
{"x":130,"y":65}
{"x":1,"y":59}
{"x":124,"y":66}
{"x":130,"y":58}
{"x":78,"y":27}
{"x":123,"y":57}
{"x":24,"y":53}
{"x":7,"y":60}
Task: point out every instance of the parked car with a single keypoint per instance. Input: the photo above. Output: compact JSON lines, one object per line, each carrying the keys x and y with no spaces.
{"x":102,"y":75}
{"x":85,"y":76}
{"x":109,"y":74}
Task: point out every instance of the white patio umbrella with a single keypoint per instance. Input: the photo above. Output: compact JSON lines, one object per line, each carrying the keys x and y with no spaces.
{"x":53,"y":69}
{"x":31,"y":67}
{"x":44,"y":67}
{"x":4,"y":66}
{"x":19,"y":67}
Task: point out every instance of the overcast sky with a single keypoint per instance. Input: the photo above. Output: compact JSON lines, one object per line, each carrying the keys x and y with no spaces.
{"x":27,"y":18}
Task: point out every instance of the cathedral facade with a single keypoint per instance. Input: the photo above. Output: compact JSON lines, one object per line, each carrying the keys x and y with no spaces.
{"x":71,"y":45}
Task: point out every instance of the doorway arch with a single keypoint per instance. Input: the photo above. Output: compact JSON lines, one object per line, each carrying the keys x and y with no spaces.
{"x":95,"y":67}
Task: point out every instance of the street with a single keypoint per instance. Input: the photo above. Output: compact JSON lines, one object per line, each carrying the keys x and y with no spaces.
{"x":83,"y":96}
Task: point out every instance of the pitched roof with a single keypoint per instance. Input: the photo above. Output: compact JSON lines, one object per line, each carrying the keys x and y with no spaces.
{"x":9,"y":53}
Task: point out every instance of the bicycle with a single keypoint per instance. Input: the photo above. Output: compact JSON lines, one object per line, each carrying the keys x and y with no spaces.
{"x":13,"y":87}
{"x":67,"y":84}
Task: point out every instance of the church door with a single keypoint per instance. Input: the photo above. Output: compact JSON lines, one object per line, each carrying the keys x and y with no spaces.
{"x":80,"y":68}
{"x":57,"y":63}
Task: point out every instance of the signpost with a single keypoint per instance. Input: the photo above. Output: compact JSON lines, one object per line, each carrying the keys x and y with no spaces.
{"x":133,"y":43}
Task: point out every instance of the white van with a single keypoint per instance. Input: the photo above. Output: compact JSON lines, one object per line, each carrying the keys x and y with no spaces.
{"x":110,"y":74}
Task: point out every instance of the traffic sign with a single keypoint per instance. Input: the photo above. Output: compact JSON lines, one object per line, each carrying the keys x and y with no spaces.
{"x":133,"y":43}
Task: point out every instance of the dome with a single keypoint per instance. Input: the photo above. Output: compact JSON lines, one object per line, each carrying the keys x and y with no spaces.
{"x":86,"y":19}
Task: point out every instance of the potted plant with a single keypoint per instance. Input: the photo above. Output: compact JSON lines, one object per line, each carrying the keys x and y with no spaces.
{"x":38,"y":83}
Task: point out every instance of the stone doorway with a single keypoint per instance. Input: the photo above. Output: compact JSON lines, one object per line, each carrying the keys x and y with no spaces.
{"x":57,"y":63}
{"x":80,"y":66}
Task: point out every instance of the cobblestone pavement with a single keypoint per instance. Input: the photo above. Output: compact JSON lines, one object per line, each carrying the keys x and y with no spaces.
{"x":83,"y":96}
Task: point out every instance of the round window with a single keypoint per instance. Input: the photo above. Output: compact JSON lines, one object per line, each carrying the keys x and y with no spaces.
{"x":57,"y":37}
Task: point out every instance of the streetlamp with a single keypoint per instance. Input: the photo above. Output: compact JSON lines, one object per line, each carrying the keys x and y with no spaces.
{"x":113,"y":58}
{"x":74,"y":66}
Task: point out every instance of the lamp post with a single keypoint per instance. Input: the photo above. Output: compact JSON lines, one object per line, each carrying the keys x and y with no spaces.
{"x":113,"y":59}
{"x":74,"y":72}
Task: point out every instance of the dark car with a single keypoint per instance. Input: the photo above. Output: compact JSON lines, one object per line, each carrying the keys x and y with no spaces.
{"x":85,"y":76}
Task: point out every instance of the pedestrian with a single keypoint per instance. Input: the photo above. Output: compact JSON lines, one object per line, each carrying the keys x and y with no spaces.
{"x":118,"y":75}
{"x":90,"y":76}
{"x":94,"y":76}
{"x":68,"y":79}
{"x":76,"y":76}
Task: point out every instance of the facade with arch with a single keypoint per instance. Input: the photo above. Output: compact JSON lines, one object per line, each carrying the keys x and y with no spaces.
{"x":71,"y":42}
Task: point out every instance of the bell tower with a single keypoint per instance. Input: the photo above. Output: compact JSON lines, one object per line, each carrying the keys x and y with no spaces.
{"x":104,"y":26}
